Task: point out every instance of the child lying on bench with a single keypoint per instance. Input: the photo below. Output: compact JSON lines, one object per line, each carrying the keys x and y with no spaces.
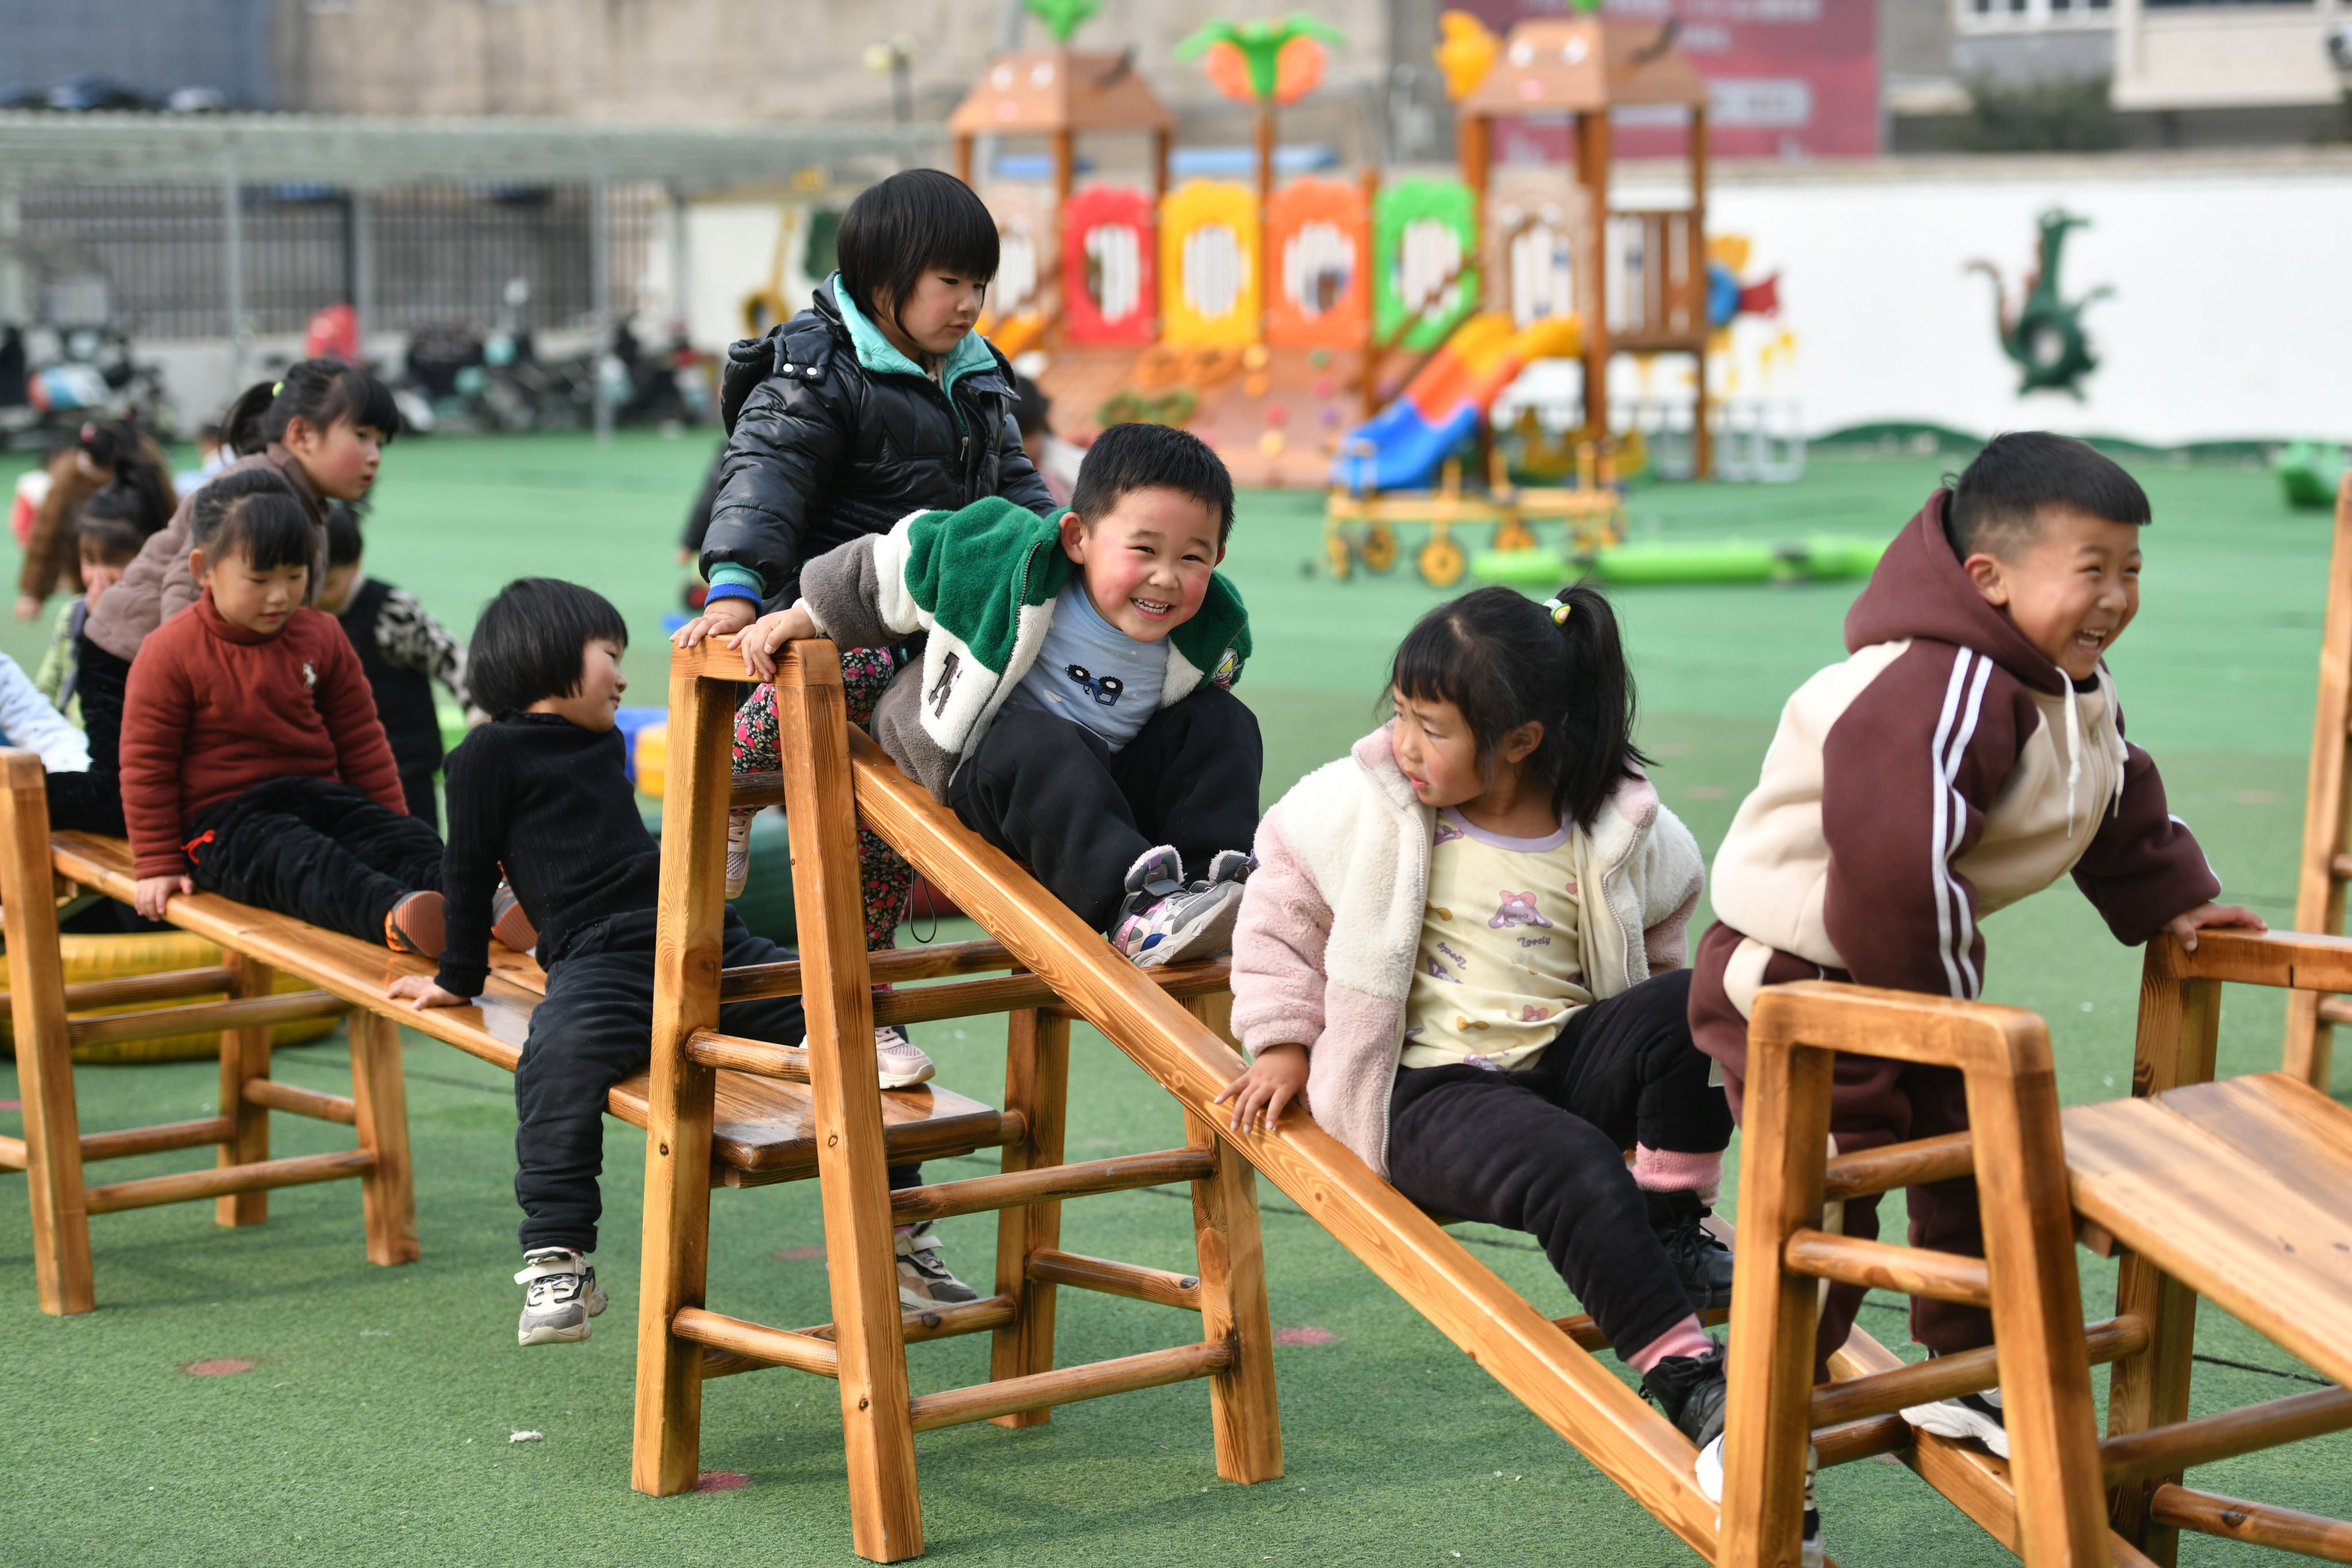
{"x":253,"y":765}
{"x":542,"y":791}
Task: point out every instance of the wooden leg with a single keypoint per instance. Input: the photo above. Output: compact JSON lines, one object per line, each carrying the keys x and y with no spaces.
{"x":1242,"y":1408}
{"x":244,"y":1056}
{"x":380,"y":1096}
{"x":1036,"y":1084}
{"x":845,"y":1093}
{"x":2310,"y":1044}
{"x":36,"y":988}
{"x":1784,"y":1144}
{"x":2150,"y":1390}
{"x":676,"y":1238}
{"x":2037,"y":1310}
{"x":2327,"y":802}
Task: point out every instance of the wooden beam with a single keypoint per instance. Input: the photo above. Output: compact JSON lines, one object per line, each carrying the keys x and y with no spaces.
{"x":756,"y":1342}
{"x":130,"y":1140}
{"x":1068,"y":1385}
{"x":379,"y":1109}
{"x":1882,"y":1265}
{"x":1159,"y":1286}
{"x":228,"y":1181}
{"x":2169,"y":1450}
{"x":1038,"y":1087}
{"x":85,"y":993}
{"x":293,"y":1101}
{"x":2255,"y":1524}
{"x":1050,"y":1184}
{"x":2326,"y":807}
{"x":708,"y":1048}
{"x":1244,"y":1411}
{"x":1894,"y":1166}
{"x":895,"y":966}
{"x":988,"y":1313}
{"x":1946,"y":1377}
{"x":256,"y":1012}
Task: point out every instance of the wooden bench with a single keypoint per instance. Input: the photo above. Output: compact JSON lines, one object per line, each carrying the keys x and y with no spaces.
{"x":2239,"y":1191}
{"x":763,"y":1129}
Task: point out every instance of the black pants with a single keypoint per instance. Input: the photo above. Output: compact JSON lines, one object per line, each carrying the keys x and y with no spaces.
{"x":1542,"y":1150}
{"x":92,"y":802}
{"x":418,"y":789}
{"x":317,"y":849}
{"x":1049,"y":792}
{"x":594,"y":1030}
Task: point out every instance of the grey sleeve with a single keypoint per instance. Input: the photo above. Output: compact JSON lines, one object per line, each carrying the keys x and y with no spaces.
{"x":842,"y":590}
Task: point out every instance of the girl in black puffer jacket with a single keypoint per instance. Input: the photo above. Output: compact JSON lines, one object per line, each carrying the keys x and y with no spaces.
{"x":878,"y":400}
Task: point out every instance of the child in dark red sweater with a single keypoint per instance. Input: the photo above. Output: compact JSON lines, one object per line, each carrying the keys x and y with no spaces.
{"x":253,"y":763}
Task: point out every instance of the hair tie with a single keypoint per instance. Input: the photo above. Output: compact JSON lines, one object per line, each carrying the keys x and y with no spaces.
{"x":276,"y":387}
{"x":1560,"y":610}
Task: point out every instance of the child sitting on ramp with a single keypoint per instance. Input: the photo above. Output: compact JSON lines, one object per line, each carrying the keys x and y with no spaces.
{"x":543,"y":791}
{"x":1466,"y":943}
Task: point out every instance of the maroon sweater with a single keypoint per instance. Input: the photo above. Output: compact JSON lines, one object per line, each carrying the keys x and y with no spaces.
{"x":213,"y":709}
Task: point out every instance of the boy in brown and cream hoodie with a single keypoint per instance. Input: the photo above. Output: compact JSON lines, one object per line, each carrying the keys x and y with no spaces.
{"x":1969,"y":753}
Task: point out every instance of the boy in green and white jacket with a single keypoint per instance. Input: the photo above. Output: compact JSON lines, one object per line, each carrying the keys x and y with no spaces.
{"x":1071,"y":703}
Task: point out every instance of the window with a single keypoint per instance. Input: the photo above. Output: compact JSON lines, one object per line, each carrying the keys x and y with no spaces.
{"x":2031,"y":15}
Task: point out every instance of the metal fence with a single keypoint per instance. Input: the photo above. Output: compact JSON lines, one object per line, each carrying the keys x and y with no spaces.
{"x":151,"y":258}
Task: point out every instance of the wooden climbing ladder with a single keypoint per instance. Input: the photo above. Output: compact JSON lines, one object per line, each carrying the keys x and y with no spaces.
{"x":2326,"y":868}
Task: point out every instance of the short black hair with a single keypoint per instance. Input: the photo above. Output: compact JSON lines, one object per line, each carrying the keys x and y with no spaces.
{"x":1141,"y":457}
{"x":531,"y":642}
{"x":344,"y":545}
{"x":910,"y":223}
{"x":319,"y":392}
{"x":1996,"y":502}
{"x":1032,"y":410}
{"x":255,"y":513}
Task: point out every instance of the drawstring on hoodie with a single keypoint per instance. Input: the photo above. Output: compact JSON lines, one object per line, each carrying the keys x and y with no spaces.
{"x":2075,"y":745}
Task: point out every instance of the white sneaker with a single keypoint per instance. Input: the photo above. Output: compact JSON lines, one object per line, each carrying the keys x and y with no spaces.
{"x":1165,"y":921}
{"x":923,"y":1279}
{"x":901,"y":1063}
{"x":1966,"y":1416}
{"x":739,"y":851}
{"x":562,"y":1296}
{"x":1808,"y":1546}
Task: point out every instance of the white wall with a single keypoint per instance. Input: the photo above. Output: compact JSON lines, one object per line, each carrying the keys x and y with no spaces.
{"x":2231,"y":315}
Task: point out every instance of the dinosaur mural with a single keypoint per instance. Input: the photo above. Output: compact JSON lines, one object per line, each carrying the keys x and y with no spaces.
{"x":2041,"y":332}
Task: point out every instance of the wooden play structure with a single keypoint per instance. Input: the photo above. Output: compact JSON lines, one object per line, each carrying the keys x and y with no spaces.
{"x":2311,"y":1018}
{"x":1360,"y":530}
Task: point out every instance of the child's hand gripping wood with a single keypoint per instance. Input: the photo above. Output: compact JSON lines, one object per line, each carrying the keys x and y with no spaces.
{"x":1275,"y":1078}
{"x":152,"y":892}
{"x":2184,"y":927}
{"x":767,"y":635}
{"x":421,"y":991}
{"x":718,"y":617}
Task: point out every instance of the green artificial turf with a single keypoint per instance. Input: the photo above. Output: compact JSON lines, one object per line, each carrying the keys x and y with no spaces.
{"x":374,"y":1424}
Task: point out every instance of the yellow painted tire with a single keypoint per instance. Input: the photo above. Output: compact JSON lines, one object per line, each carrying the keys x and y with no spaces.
{"x":1379,"y":547}
{"x":155,"y":953}
{"x":1336,"y":550}
{"x":1514,"y":534}
{"x":1441,"y":562}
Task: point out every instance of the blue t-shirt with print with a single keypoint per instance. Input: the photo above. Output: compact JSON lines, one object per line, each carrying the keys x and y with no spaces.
{"x":1091,"y":673}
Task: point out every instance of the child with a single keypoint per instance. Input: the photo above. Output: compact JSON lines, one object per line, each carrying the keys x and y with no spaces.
{"x":543,"y":791}
{"x":322,"y":428}
{"x":1969,"y":753}
{"x":1056,"y":460}
{"x":103,"y":453}
{"x":253,"y":765}
{"x":403,"y":652}
{"x":1093,"y":737}
{"x":1465,"y":941}
{"x":114,"y":523}
{"x":29,"y":720}
{"x":878,"y":400}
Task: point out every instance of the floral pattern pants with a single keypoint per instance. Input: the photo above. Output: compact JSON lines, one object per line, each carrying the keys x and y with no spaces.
{"x":883,"y":876}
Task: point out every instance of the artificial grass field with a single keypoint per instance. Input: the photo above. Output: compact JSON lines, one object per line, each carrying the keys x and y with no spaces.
{"x":374,"y":1424}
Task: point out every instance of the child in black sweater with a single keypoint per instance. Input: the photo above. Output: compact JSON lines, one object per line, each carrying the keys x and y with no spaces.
{"x":403,"y":652}
{"x":541,"y":791}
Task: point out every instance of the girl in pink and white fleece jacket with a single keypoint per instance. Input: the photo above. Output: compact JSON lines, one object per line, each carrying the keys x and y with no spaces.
{"x":1464,"y":947}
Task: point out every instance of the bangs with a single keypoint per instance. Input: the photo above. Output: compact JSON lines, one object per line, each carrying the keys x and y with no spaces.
{"x":1438,"y":663}
{"x":268,"y":531}
{"x":924,"y":220}
{"x":363,"y":400}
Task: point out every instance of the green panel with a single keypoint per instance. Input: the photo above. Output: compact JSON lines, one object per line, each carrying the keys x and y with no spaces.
{"x":1396,"y":210}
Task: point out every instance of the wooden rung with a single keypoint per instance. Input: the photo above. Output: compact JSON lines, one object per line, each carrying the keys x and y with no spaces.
{"x":1909,"y":1270}
{"x":754,"y":980}
{"x":2340,"y":868}
{"x":748,"y":791}
{"x":1899,"y":1165}
{"x":2336,"y":1009}
{"x":2169,"y":1450}
{"x":130,"y":1140}
{"x":1131,"y":1281}
{"x":940,"y":1323}
{"x":756,"y":1342}
{"x":1590,"y":1339}
{"x":1067,"y":1385}
{"x":244,"y":1013}
{"x":12,"y":1154}
{"x":127,"y":988}
{"x":2255,"y":1524}
{"x":1865,"y":1439}
{"x":295,"y":1103}
{"x":713,"y":1050}
{"x":261,"y":1176}
{"x":973,"y":998}
{"x":1050,"y":1184}
{"x":1946,"y":1377}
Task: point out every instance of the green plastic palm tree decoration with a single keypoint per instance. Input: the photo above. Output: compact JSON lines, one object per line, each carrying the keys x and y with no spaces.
{"x":1061,"y":17}
{"x":1261,"y":45}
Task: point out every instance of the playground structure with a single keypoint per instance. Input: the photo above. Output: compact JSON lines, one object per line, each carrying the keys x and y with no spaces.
{"x":2326,"y":870}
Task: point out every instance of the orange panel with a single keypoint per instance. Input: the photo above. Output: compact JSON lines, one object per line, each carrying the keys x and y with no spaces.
{"x":1319,"y":254}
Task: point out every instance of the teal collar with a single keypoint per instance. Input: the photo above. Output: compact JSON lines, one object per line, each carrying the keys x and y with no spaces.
{"x":878,"y":355}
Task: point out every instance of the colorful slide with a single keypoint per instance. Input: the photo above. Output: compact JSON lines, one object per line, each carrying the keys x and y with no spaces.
{"x":1401,"y":446}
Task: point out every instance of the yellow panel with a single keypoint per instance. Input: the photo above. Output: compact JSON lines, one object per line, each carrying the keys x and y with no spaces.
{"x":1208,"y":265}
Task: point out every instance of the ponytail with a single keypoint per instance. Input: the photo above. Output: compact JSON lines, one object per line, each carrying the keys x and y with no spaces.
{"x":1505,"y":661}
{"x":138,"y":490}
{"x":319,"y":392}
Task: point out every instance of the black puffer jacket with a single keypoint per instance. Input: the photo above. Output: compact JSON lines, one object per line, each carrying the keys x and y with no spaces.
{"x":821,"y":450}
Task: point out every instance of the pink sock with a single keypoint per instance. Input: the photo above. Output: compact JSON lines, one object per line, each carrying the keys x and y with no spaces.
{"x":1682,"y":1339}
{"x":1666,"y":1170}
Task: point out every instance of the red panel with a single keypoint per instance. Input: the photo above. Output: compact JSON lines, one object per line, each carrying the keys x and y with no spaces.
{"x":1110,"y":267}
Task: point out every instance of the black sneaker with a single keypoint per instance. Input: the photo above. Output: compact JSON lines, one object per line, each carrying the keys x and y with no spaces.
{"x":1701,"y":1261}
{"x":1809,"y":1545}
{"x":1691,"y":1390}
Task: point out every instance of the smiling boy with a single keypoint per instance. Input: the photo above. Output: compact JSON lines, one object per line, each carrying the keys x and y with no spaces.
{"x":1071,"y":701}
{"x":1969,"y":753}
